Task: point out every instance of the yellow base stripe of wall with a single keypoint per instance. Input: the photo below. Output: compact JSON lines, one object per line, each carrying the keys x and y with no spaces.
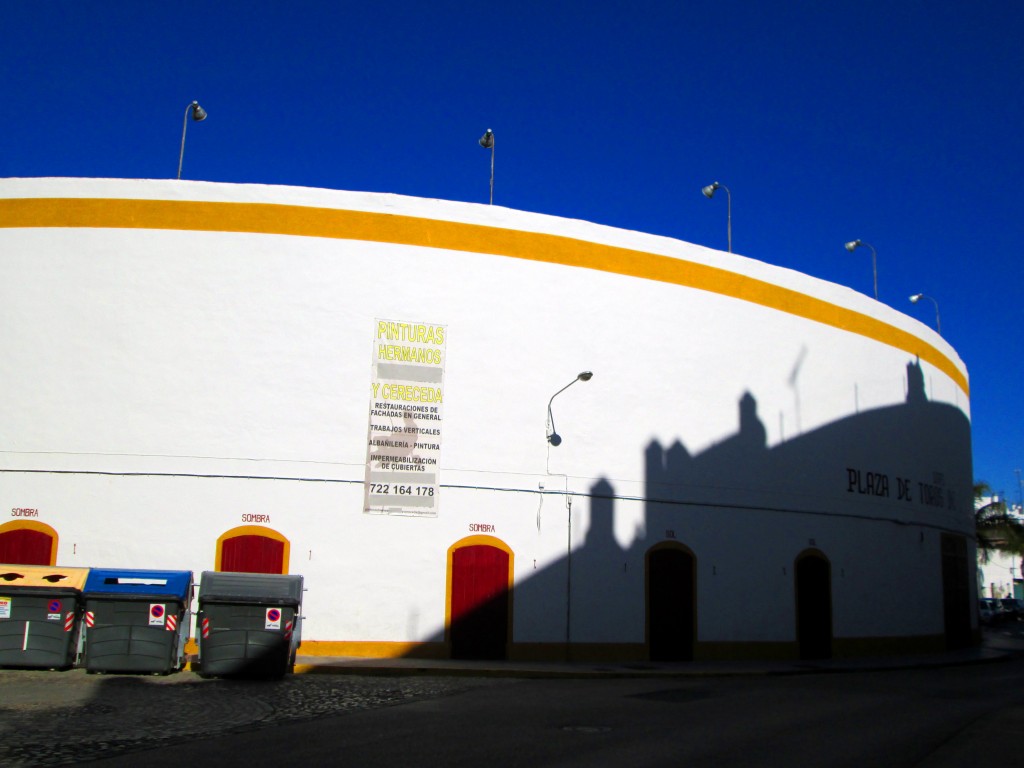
{"x":373,"y":649}
{"x":842,"y":648}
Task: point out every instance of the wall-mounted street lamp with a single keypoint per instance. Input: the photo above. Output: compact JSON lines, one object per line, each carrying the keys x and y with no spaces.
{"x":917,"y":297}
{"x":709,"y":192}
{"x":198,"y":114}
{"x":487,"y":142}
{"x":553,"y":437}
{"x":854,"y":245}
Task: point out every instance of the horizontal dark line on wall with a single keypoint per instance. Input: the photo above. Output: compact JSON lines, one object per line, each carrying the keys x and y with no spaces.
{"x":497,"y":489}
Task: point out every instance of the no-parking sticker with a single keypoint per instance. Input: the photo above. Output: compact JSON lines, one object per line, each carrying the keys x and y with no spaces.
{"x":157,"y":614}
{"x":273,"y":618}
{"x":5,"y":607}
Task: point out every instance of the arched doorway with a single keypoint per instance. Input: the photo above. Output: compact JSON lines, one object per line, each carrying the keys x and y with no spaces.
{"x":479,"y":598}
{"x":25,"y":542}
{"x":671,"y":602}
{"x":252,"y":549}
{"x":813,"y":575}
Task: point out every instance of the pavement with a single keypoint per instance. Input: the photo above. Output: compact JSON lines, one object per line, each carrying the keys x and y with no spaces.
{"x":997,"y":645}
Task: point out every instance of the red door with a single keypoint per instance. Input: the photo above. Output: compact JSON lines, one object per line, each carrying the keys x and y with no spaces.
{"x":480,"y":602}
{"x":252,"y":554}
{"x":23,"y":546}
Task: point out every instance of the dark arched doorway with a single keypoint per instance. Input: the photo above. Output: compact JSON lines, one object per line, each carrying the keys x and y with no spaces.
{"x":671,"y":603}
{"x":813,"y":575}
{"x":956,"y":592}
{"x":480,"y":572}
{"x":250,"y":549}
{"x":28,"y":543}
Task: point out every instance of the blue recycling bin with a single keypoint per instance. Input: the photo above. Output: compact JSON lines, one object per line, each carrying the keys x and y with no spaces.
{"x":136,"y":620}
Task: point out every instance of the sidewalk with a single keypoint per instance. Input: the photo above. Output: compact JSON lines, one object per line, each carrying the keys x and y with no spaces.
{"x":992,"y":649}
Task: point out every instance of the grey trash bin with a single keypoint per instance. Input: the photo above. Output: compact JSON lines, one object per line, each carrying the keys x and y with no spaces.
{"x":248,"y":623}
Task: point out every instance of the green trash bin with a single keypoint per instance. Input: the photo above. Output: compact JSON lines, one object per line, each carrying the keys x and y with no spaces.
{"x":135,"y":620}
{"x":248,"y":624}
{"x":40,"y":609}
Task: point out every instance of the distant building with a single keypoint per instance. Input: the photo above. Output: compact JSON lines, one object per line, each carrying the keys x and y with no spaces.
{"x":1001,"y":574}
{"x":383,"y":394}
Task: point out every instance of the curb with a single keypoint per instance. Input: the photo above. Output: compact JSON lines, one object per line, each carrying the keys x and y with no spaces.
{"x":406,"y":668}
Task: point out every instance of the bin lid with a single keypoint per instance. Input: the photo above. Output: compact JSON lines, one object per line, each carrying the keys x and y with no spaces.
{"x":108,"y":581}
{"x":47,"y":576}
{"x":226,"y":586}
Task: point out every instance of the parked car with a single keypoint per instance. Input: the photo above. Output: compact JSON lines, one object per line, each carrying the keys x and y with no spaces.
{"x":987,"y":610}
{"x":1012,"y":607}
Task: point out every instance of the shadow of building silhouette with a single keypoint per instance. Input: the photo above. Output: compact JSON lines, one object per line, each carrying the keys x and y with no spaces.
{"x":850,"y":539}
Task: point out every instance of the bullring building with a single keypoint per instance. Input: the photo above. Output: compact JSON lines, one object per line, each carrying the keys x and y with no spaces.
{"x":477,"y":432}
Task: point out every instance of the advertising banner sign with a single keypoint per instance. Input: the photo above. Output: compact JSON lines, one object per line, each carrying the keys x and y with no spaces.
{"x":406,"y":414}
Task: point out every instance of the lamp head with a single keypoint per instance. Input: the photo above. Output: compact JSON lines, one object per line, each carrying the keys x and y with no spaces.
{"x":852,"y":245}
{"x":585,"y":376}
{"x":555,"y":439}
{"x":916,"y":298}
{"x":198,"y":113}
{"x":709,"y":190}
{"x":487,"y":140}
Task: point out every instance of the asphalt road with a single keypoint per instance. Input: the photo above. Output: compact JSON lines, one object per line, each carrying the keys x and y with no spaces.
{"x":951,"y":716}
{"x":954,"y":717}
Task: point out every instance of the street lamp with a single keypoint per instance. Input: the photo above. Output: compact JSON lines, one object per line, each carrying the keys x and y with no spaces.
{"x":853,"y":245}
{"x":917,"y":297}
{"x":198,"y":114}
{"x":709,"y":192}
{"x":553,"y":437}
{"x":487,"y":142}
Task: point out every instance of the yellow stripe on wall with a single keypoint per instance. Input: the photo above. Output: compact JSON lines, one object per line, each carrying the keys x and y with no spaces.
{"x":274,"y":219}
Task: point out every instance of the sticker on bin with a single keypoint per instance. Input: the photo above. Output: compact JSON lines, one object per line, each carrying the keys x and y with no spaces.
{"x":273,"y":618}
{"x":156,"y":615}
{"x":5,"y":607}
{"x":54,"y":606}
{"x":172,"y":622}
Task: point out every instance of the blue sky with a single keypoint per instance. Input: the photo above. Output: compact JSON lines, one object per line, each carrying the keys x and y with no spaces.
{"x":896,"y":122}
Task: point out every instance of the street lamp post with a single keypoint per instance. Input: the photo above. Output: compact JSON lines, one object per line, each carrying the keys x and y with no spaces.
{"x":198,"y":114}
{"x":553,"y":437}
{"x":917,"y":297}
{"x":709,"y":192}
{"x":487,"y":142}
{"x":853,"y":245}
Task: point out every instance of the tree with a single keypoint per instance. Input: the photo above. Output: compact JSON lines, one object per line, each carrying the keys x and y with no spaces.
{"x":997,"y":530}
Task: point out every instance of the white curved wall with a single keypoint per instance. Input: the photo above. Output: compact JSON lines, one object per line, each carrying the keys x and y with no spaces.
{"x":167,"y":343}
